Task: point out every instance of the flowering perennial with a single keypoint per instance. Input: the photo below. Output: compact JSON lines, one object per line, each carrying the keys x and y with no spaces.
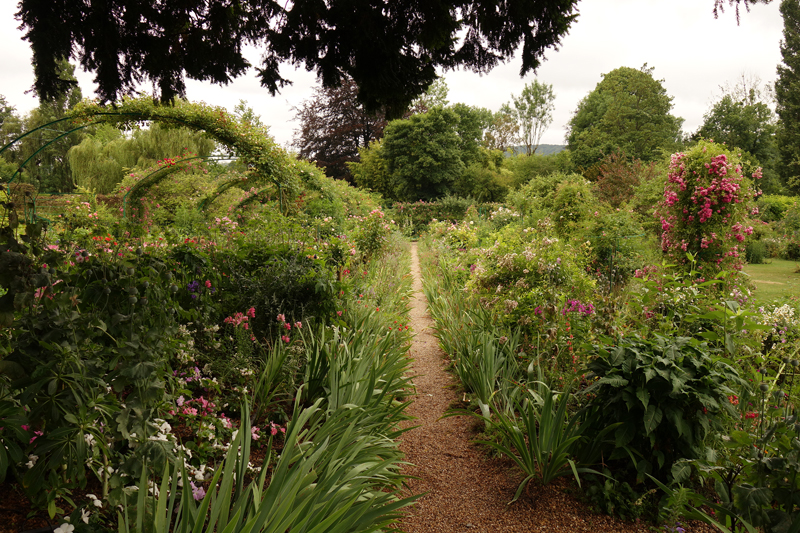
{"x":705,"y":205}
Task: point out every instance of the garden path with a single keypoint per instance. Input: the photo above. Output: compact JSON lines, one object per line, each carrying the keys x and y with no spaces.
{"x":464,"y":490}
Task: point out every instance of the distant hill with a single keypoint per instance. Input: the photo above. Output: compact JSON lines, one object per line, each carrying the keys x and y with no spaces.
{"x":544,"y":149}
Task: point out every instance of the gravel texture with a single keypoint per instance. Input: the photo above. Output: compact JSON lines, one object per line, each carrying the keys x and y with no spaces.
{"x":465,"y":490}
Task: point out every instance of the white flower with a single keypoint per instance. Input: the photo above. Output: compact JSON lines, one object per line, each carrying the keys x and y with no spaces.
{"x":95,"y":501}
{"x":85,"y":515}
{"x":31,"y":461}
{"x":64,"y":528}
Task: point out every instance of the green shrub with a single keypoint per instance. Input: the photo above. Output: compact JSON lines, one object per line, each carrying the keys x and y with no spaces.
{"x":668,"y":393}
{"x":538,"y":193}
{"x":573,"y":201}
{"x":276,"y":280}
{"x":413,"y":218}
{"x":772,"y":207}
{"x":525,"y":168}
{"x":756,"y":252}
{"x":792,"y":251}
{"x":790,"y":223}
{"x":619,"y":245}
{"x":482,"y":183}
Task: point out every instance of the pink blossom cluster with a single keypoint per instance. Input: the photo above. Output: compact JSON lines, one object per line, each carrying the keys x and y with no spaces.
{"x":199,"y":406}
{"x":642,"y":273}
{"x":281,"y":318}
{"x":573,"y":306}
{"x":700,"y":212}
{"x":241,"y":319}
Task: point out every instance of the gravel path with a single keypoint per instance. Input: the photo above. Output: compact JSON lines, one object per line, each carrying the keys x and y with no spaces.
{"x":465,"y":491}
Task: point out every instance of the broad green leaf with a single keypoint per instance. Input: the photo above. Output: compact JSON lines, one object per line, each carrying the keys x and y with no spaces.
{"x":709,"y":335}
{"x":681,"y":471}
{"x":742,"y":438}
{"x":624,"y":434}
{"x":644,"y":396}
{"x":614,"y":381}
{"x":652,"y":418}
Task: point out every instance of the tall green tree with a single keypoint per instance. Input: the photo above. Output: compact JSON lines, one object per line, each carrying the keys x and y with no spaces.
{"x":9,"y":126}
{"x":628,"y":111}
{"x":748,"y":125}
{"x":423,"y":155}
{"x":533,"y":111}
{"x":471,"y":125}
{"x":503,"y":132}
{"x":787,"y":95}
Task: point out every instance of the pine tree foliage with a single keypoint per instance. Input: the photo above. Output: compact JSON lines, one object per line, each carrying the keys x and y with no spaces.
{"x":391,"y":48}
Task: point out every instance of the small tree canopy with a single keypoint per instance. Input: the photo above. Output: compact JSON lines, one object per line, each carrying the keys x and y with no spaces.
{"x":334,"y":126}
{"x":629,"y":111}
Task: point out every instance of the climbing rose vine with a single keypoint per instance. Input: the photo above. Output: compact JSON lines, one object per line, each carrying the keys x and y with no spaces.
{"x":705,"y":209}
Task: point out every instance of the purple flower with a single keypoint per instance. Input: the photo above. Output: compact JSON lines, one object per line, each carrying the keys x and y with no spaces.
{"x":198,"y":492}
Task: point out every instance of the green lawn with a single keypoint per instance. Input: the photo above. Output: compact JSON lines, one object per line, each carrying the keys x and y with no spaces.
{"x":775,"y":280}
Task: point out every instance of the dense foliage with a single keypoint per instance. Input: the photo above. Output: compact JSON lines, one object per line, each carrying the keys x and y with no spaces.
{"x":788,"y":108}
{"x":587,"y":351}
{"x":629,"y":110}
{"x":333,"y":127}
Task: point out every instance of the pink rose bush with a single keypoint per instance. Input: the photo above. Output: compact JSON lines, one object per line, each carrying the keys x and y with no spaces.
{"x":705,"y":207}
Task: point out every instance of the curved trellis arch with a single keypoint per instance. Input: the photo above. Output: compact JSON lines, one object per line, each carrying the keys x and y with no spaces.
{"x":209,"y":198}
{"x":252,"y":144}
{"x":250,"y":199}
{"x":159,"y":174}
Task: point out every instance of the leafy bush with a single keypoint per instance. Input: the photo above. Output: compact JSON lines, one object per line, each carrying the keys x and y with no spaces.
{"x":372,"y":234}
{"x":790,"y":223}
{"x":619,"y":245}
{"x":524,"y":168}
{"x":618,"y":178}
{"x":526,"y":271}
{"x":481,"y":182}
{"x":415,"y":217}
{"x":538,"y":193}
{"x":572,"y":203}
{"x":756,"y":252}
{"x":668,"y":394}
{"x":792,"y":251}
{"x":773,"y":207}
{"x":616,"y":498}
{"x":276,"y":280}
{"x":91,"y":351}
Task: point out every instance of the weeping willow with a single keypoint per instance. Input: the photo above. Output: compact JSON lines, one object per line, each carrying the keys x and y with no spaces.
{"x":100,"y":162}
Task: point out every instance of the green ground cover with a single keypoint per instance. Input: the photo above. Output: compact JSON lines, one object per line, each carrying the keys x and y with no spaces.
{"x":776,"y":280}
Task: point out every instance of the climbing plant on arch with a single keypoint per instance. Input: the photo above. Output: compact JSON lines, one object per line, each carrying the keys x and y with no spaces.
{"x":268,"y":162}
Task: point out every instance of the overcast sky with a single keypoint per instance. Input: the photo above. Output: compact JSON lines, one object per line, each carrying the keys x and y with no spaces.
{"x":690,"y":50}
